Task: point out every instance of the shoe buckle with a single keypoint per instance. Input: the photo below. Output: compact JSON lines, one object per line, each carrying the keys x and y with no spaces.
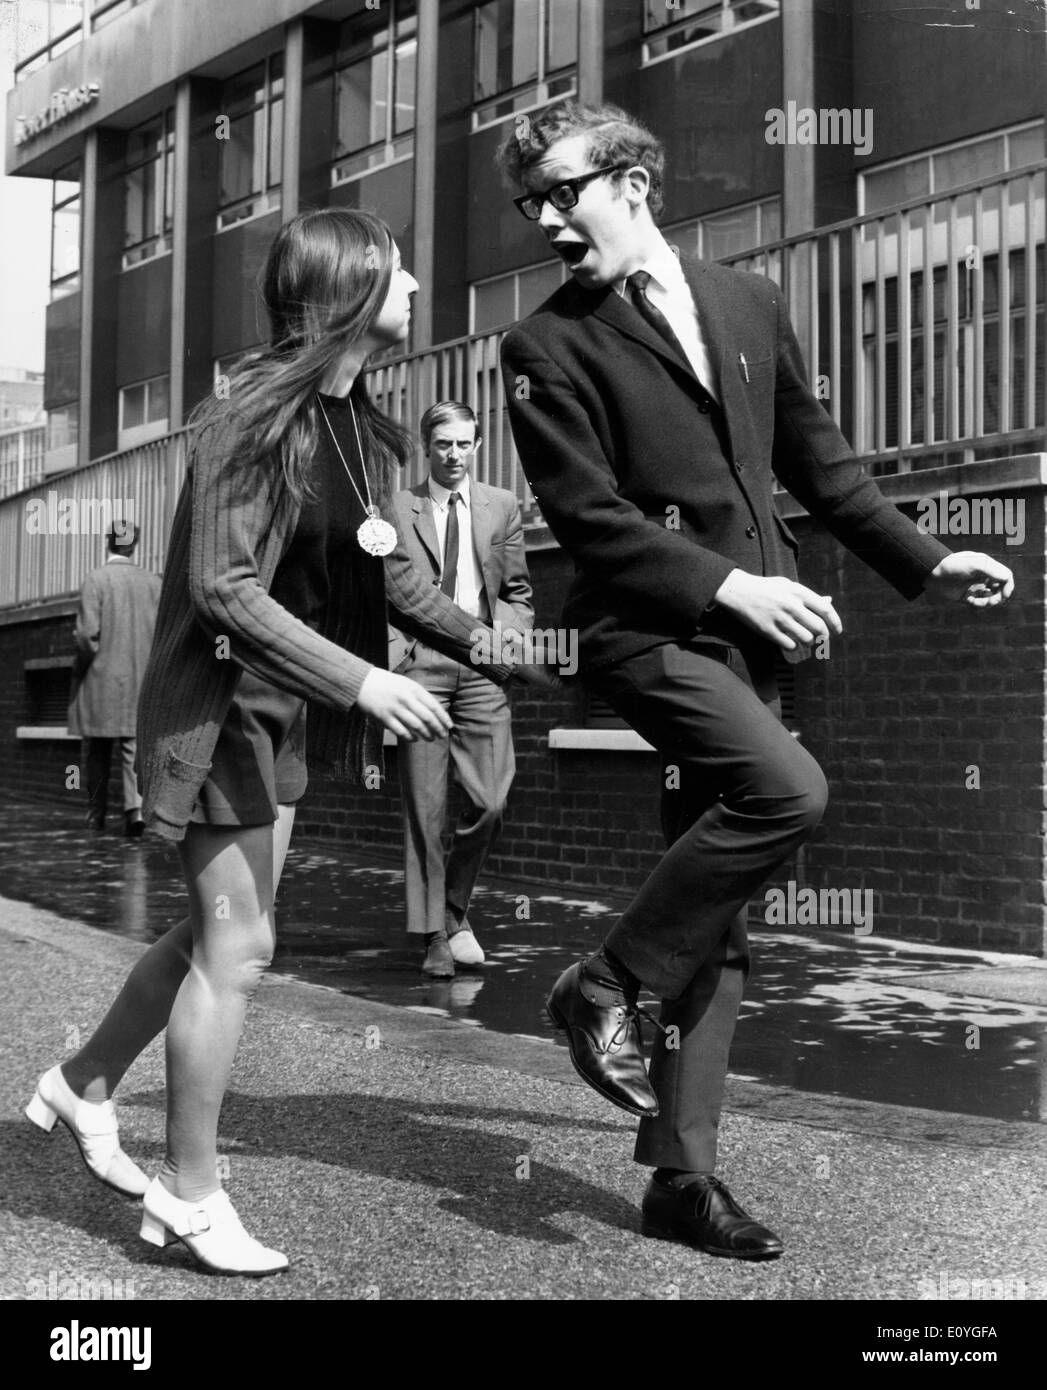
{"x":199,"y":1222}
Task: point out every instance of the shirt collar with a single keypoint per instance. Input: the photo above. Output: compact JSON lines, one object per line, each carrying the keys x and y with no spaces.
{"x":440,"y":494}
{"x":663,"y":266}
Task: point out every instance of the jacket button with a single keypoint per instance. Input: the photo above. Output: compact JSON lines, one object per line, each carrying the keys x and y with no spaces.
{"x":750,"y":531}
{"x":739,"y":464}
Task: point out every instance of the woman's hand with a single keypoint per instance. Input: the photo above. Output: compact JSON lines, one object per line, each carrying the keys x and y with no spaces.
{"x":402,"y":706}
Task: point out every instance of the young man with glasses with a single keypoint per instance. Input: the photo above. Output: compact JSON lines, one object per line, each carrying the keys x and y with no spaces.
{"x":469,"y":538}
{"x":654,"y":398}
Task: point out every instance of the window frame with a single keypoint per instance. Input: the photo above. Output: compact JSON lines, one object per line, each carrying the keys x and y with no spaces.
{"x":130,"y":436}
{"x":928,"y":156}
{"x":157,"y":243}
{"x":393,"y":39}
{"x":69,"y":283}
{"x":731,"y":26}
{"x":547,"y":86}
{"x":271,"y":93}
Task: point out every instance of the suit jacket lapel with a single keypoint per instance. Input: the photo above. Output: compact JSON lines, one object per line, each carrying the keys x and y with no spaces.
{"x":612,"y":308}
{"x":424,"y":523}
{"x":480,"y":517}
{"x":714,"y":318}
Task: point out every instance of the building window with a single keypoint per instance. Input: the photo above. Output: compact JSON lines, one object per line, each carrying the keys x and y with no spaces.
{"x":65,"y":232}
{"x":63,"y":427}
{"x":937,"y":171}
{"x":524,"y":55}
{"x":731,"y":232}
{"x":42,"y":31}
{"x":149,"y":190}
{"x":250,"y":130}
{"x":687,"y":23}
{"x":374,"y":90}
{"x":144,"y":409}
{"x":506,"y":299}
{"x":103,"y":12}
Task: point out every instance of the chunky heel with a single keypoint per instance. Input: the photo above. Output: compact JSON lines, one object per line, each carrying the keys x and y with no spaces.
{"x":154,"y":1231}
{"x":41,"y":1113}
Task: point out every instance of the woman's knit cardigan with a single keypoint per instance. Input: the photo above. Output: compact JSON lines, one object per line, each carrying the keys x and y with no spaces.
{"x":230,"y":531}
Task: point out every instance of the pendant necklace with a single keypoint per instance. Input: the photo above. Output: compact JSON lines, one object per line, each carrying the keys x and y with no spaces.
{"x":374,"y":535}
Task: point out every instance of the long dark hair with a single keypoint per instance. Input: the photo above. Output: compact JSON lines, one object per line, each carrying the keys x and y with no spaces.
{"x":325,"y":280}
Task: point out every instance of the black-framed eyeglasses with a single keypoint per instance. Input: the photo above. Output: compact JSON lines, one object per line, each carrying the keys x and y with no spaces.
{"x":563,"y":196}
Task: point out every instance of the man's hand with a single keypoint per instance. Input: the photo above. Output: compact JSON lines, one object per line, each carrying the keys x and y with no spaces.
{"x":977,"y":579}
{"x":403,"y":706}
{"x":788,"y":614}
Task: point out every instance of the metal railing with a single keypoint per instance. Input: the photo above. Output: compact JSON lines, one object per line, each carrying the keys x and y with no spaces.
{"x":21,"y":458}
{"x":868,"y":319}
{"x":53,"y":534}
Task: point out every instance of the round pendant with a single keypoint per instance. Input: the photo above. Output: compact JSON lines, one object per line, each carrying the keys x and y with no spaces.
{"x":376,"y":536}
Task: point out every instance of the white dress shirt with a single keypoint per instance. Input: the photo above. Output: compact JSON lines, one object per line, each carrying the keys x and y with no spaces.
{"x":670,"y":293}
{"x":470,"y":584}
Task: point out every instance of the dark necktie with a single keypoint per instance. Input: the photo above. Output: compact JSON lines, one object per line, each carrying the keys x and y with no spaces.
{"x":450,"y":573}
{"x":638,"y":283}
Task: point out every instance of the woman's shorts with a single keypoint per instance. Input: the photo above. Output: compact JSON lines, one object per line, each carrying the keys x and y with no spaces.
{"x":259,"y":759}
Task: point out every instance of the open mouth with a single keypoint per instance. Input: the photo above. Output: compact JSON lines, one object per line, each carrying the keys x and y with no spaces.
{"x":573,"y":252}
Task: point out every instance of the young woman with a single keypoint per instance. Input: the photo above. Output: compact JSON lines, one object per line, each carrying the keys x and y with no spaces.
{"x":274,"y":592}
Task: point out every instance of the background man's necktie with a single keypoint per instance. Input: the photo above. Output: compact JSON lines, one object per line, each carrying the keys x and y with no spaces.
{"x":449,"y":578}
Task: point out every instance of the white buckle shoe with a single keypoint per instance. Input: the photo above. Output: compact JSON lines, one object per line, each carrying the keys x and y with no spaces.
{"x":465,"y":948}
{"x":209,"y":1228}
{"x":94,"y":1128}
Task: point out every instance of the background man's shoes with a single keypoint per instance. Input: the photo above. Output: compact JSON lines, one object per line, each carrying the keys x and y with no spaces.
{"x":604,"y":1043}
{"x":705,"y":1215}
{"x":465,"y":948}
{"x":134,"y":824}
{"x":439,"y":963}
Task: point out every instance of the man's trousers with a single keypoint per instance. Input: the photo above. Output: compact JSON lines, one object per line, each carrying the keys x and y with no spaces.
{"x":480,"y":750}
{"x":98,"y":757}
{"x":739,"y":795}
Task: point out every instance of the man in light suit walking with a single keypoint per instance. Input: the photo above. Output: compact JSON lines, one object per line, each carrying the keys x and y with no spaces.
{"x":113,"y":635}
{"x":469,"y":538}
{"x":654,"y":399}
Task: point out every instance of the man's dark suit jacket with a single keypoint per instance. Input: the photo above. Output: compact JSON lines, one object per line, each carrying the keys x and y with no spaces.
{"x":604,"y":414}
{"x":498,"y":541}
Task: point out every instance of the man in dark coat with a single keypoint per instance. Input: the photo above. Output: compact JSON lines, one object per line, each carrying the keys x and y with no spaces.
{"x":654,"y":398}
{"x":113,"y":634}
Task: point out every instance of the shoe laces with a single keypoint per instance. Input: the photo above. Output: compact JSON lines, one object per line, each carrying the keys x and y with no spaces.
{"x":634,"y":1012}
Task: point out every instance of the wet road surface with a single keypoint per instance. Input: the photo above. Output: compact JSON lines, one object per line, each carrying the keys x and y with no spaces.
{"x":824,"y":1013}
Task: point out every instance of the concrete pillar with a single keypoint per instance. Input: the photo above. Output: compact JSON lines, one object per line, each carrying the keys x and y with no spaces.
{"x":590,"y":51}
{"x":424,"y":261}
{"x":798,"y":84}
{"x":179,"y":252}
{"x":290,"y":178}
{"x":88,"y":260}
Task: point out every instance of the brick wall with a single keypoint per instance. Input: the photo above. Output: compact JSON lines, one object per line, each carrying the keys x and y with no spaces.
{"x":908,"y":701}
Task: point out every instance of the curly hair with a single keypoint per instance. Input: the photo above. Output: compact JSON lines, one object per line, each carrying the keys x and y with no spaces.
{"x":612,"y":137}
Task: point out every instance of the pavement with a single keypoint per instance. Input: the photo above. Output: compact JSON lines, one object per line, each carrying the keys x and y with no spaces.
{"x":395,"y":1154}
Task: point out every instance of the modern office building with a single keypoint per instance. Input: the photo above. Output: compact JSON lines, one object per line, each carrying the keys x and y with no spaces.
{"x":884,"y":163}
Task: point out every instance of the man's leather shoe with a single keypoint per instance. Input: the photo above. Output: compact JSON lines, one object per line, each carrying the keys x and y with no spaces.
{"x":134,"y":825}
{"x":705,"y":1215}
{"x":604,"y":1043}
{"x":439,"y":963}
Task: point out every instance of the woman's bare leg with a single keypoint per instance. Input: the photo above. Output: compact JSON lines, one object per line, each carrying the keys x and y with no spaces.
{"x":232,"y":877}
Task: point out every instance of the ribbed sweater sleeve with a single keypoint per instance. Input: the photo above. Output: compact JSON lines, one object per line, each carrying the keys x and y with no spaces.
{"x":422,"y":611}
{"x":237,"y":516}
